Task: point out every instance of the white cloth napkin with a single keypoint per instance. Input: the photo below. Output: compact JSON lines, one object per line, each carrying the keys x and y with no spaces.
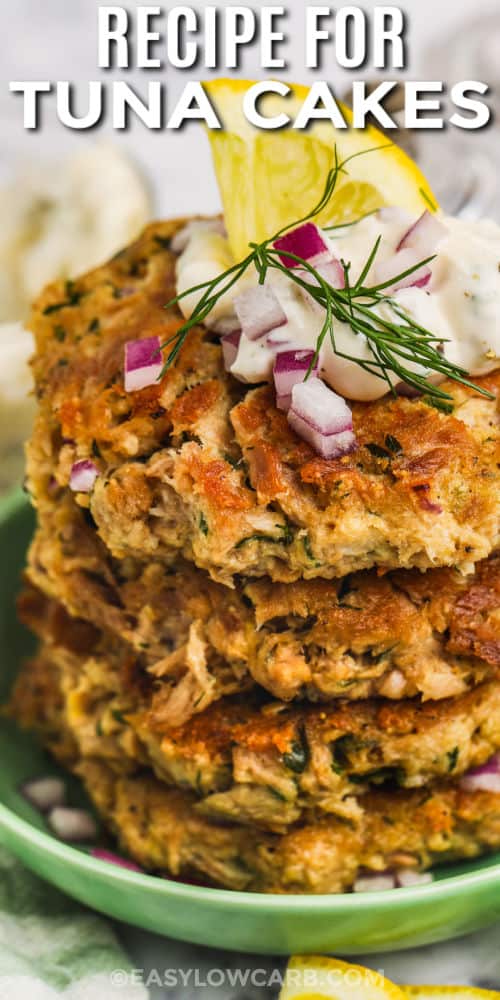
{"x":51,"y":948}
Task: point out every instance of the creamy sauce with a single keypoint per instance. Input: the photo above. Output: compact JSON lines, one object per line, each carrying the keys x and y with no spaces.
{"x":461,"y":303}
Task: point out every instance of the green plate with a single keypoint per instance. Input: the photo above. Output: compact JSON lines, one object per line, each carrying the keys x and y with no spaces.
{"x":463,"y":897}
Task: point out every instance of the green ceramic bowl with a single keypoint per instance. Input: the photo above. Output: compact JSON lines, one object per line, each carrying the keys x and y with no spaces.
{"x":463,"y":897}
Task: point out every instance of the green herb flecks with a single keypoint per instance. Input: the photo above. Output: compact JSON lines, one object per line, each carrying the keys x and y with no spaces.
{"x":286,"y":537}
{"x":119,"y":716}
{"x":306,"y":541}
{"x":73,"y":297}
{"x":343,"y":749}
{"x":381,"y":776}
{"x":392,"y":447}
{"x":425,"y":196}
{"x":378,"y":657}
{"x":276,"y":794}
{"x":347,"y":225}
{"x":378,"y":451}
{"x":393,"y":444}
{"x":401,"y":349}
{"x":443,"y":405}
{"x":453,"y":756}
{"x":296,"y":757}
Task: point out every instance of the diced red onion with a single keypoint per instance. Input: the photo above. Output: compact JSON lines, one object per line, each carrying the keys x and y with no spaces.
{"x":321,"y":407}
{"x":322,"y":418}
{"x":430,"y":505}
{"x":44,"y":793}
{"x":481,"y":782}
{"x":408,"y":391}
{"x":403,"y":389}
{"x":492,"y":766}
{"x":375,"y":883}
{"x":83,"y":476}
{"x":305,"y":242}
{"x":291,"y":367}
{"x":424,"y":235}
{"x":224,"y":325}
{"x":329,"y":446}
{"x":258,"y":311}
{"x":278,"y":340}
{"x":181,"y":239}
{"x":72,"y":824}
{"x":485,"y":778}
{"x":402,"y":261}
{"x":230,"y":345}
{"x":392,"y":213}
{"x":332,"y":272}
{"x":284,"y":402}
{"x":114,"y":859}
{"x":143,"y":363}
{"x":308,"y":243}
{"x":330,"y":269}
{"x":402,"y":878}
{"x":407,"y":877}
{"x":422,"y":490}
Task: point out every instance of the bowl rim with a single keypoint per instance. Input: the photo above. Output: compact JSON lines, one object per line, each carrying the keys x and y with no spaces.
{"x":448,"y":887}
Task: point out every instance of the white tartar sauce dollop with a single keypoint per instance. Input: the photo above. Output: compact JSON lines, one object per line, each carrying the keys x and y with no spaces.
{"x":460,"y":303}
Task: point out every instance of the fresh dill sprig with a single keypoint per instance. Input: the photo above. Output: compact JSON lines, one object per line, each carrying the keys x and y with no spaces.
{"x":392,"y":342}
{"x":394,"y":338}
{"x":347,"y":225}
{"x":425,"y":196}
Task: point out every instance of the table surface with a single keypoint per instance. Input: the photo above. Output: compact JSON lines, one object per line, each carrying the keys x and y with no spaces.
{"x":57,"y":40}
{"x":472,"y":960}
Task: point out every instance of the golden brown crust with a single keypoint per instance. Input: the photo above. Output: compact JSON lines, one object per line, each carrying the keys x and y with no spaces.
{"x":410,"y":830}
{"x":249,"y":759}
{"x":475,"y":620}
{"x":162,"y":827}
{"x":399,"y":635}
{"x":202,"y":466}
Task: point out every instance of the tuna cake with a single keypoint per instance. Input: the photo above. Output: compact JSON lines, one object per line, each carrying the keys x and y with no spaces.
{"x":269,"y":766}
{"x":407,"y":633}
{"x":202,"y":466}
{"x":406,"y":830}
{"x":247,"y":758}
{"x":163,"y":830}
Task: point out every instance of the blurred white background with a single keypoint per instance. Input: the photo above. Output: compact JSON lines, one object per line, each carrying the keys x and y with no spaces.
{"x":57,"y":40}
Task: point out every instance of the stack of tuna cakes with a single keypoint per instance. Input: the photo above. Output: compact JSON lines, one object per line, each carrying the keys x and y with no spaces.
{"x":272,"y":672}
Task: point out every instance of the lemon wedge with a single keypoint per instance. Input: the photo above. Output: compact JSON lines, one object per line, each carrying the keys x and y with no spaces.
{"x":270,"y":179}
{"x":316,"y":977}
